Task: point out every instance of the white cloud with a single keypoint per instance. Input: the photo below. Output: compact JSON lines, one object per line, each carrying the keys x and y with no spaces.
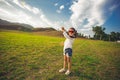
{"x":58,"y":11}
{"x":56,"y":4}
{"x":19,"y":11}
{"x":62,"y":7}
{"x":90,"y":10}
{"x":7,"y":3}
{"x":23,"y":5}
{"x":85,"y":14}
{"x":18,"y":3}
{"x":113,"y":7}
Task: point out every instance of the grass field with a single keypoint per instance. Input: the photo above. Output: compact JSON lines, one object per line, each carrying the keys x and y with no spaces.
{"x":26,"y":56}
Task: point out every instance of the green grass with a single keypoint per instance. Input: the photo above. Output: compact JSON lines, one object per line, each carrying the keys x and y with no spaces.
{"x":25,"y":56}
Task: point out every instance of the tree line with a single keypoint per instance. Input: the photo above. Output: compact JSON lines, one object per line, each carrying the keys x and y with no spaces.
{"x":99,"y":34}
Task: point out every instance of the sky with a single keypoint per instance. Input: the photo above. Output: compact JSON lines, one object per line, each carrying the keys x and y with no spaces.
{"x":80,"y":14}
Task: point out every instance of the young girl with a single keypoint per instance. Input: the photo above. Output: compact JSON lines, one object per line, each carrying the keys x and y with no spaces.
{"x":70,"y":35}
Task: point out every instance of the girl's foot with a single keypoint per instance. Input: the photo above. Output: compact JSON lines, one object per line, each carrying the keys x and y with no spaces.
{"x":67,"y":72}
{"x":62,"y":70}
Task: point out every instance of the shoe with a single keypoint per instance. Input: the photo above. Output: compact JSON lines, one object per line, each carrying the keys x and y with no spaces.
{"x":67,"y":72}
{"x":62,"y":70}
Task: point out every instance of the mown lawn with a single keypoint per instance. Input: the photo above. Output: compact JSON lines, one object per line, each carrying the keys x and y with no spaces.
{"x":26,"y":56}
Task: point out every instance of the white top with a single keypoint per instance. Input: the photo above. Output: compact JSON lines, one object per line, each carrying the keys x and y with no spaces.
{"x":68,"y":42}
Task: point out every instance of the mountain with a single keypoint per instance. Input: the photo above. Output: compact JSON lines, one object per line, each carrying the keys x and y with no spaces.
{"x":14,"y":26}
{"x":24,"y":27}
{"x":3,"y":22}
{"x":47,"y":32}
{"x":43,"y":29}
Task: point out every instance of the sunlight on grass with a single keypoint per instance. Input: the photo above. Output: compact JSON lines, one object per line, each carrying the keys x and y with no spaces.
{"x":24,"y":56}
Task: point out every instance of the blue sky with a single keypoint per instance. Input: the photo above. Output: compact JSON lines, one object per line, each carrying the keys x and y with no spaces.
{"x":81,"y":14}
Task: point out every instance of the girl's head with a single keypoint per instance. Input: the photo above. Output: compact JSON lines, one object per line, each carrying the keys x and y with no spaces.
{"x":72,"y":32}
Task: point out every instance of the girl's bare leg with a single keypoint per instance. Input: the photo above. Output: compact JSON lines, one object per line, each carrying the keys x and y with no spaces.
{"x":65,"y":61}
{"x":69,"y":63}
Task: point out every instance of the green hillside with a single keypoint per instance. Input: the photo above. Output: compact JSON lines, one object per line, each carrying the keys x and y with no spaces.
{"x":26,"y":56}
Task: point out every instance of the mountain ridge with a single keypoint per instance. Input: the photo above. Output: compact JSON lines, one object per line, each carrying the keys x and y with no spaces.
{"x":14,"y":26}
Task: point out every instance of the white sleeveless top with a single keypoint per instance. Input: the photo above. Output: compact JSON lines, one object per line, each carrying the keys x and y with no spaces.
{"x":68,"y":42}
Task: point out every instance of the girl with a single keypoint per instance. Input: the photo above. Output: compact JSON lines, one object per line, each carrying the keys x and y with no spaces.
{"x":70,"y":35}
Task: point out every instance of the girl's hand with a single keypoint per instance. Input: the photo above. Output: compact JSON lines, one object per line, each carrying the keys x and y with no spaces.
{"x":63,"y":29}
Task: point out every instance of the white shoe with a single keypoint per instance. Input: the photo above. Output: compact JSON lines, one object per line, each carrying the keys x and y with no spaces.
{"x":62,"y":70}
{"x":67,"y":72}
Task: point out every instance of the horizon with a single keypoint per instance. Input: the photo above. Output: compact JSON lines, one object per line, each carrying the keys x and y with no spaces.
{"x":65,"y":13}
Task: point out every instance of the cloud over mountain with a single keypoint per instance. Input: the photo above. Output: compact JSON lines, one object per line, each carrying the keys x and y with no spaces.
{"x":81,"y":14}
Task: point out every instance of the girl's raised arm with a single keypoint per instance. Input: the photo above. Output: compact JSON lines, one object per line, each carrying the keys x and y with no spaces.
{"x":65,"y":33}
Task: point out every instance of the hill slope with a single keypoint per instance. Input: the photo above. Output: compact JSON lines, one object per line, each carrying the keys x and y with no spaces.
{"x":24,"y":56}
{"x":14,"y":26}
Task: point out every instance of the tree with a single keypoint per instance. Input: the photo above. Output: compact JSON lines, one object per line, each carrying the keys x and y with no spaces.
{"x":118,"y":36}
{"x":115,"y":36}
{"x":99,"y":32}
{"x":81,"y":35}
